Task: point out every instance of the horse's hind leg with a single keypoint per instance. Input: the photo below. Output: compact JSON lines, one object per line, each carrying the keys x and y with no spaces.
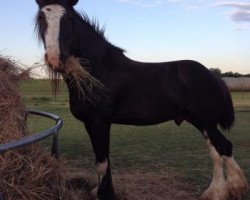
{"x":99,"y":133}
{"x":217,"y":189}
{"x":236,"y":183}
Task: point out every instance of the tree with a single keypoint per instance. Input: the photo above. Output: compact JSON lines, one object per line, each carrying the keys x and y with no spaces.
{"x":216,"y":71}
{"x":228,"y":74}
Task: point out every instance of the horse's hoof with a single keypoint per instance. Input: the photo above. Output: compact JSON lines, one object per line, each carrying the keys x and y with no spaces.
{"x":94,"y":193}
{"x":215,"y":192}
{"x":106,"y":196}
{"x":237,"y":187}
{"x":236,"y":181}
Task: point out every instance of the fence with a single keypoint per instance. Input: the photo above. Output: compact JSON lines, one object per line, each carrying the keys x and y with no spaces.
{"x":39,"y":136}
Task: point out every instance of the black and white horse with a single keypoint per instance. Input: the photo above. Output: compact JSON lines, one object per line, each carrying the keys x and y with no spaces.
{"x":142,"y":94}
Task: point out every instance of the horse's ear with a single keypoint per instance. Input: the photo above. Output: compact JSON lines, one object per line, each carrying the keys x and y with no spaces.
{"x":40,"y":2}
{"x":72,"y":2}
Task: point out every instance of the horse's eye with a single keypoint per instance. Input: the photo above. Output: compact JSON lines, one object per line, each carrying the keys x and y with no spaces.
{"x":40,"y":17}
{"x":70,"y":19}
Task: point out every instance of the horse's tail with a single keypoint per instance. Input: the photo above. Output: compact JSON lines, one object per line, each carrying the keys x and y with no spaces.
{"x":227,"y":118}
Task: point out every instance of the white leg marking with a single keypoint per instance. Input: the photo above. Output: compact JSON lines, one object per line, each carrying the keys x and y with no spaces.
{"x":53,"y":15}
{"x":217,"y":189}
{"x":236,"y":181}
{"x":101,"y":169}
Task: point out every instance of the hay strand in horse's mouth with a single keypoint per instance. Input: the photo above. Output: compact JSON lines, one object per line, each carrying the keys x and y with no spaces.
{"x":78,"y":77}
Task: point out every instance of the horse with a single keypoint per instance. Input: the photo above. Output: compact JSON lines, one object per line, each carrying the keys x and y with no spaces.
{"x":141,"y":94}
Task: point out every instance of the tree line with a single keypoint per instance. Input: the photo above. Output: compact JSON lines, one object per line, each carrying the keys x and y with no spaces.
{"x":220,"y":74}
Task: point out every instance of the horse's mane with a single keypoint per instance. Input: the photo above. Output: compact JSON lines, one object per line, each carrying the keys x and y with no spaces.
{"x":37,"y":28}
{"x":93,"y":24}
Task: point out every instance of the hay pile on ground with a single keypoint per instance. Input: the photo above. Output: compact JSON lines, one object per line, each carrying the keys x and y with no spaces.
{"x":12,"y":110}
{"x":135,"y":186}
{"x":28,"y":173}
{"x":151,"y":186}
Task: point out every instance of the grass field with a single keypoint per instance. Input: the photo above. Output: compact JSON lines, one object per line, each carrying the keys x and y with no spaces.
{"x":160,"y":148}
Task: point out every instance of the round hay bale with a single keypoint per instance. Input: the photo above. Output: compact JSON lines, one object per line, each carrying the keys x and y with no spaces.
{"x":28,"y":173}
{"x":238,"y":84}
{"x":12,"y":110}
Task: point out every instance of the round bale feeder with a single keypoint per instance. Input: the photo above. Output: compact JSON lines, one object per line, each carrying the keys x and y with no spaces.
{"x":7,"y":150}
{"x":53,"y":131}
{"x":27,"y":171}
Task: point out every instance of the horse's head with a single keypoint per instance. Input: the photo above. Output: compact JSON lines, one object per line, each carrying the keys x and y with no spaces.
{"x":54,"y":23}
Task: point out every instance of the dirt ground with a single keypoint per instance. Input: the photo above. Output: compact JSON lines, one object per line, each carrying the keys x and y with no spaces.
{"x":151,"y":187}
{"x":129,"y":186}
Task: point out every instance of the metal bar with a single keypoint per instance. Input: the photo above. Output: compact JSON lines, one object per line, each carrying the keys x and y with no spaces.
{"x":36,"y":137}
{"x":1,"y":197}
{"x":55,"y":146}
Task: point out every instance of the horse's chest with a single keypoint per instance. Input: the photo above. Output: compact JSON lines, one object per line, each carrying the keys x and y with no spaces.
{"x":80,"y":109}
{"x":87,"y":111}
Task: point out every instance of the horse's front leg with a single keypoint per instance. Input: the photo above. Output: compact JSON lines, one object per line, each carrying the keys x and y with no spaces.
{"x":99,"y":133}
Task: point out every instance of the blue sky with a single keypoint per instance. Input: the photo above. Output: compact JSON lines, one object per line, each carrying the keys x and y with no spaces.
{"x":213,"y":32}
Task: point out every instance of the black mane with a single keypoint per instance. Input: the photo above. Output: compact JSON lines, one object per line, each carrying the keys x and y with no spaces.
{"x":37,"y":28}
{"x":93,"y":23}
{"x":84,"y":18}
{"x":95,"y":26}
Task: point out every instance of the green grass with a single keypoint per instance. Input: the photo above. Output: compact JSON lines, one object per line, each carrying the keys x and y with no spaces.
{"x":159,"y":148}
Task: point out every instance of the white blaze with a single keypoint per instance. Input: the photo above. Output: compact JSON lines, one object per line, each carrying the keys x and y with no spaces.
{"x":53,"y":15}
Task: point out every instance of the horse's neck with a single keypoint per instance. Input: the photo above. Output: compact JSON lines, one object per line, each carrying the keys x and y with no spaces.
{"x":89,"y":44}
{"x":97,"y":50}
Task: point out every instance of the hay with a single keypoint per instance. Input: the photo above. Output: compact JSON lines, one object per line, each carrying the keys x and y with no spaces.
{"x":150,"y":186}
{"x":75,"y":72}
{"x":28,"y":173}
{"x":12,"y":110}
{"x":135,"y":186}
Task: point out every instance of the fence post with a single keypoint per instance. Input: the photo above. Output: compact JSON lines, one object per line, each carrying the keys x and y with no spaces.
{"x":55,"y":146}
{"x":1,"y":196}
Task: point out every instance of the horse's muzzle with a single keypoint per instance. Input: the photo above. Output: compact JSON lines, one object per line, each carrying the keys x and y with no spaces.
{"x":54,"y":63}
